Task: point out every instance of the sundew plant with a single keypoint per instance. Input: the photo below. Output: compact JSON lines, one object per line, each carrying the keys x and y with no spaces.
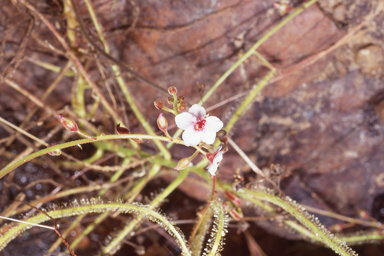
{"x":107,"y":152}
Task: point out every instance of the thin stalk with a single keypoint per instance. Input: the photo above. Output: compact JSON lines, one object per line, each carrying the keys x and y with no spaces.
{"x":9,"y":168}
{"x":132,"y":225}
{"x":303,"y":217}
{"x":28,"y":223}
{"x":244,"y":58}
{"x":220,"y":229}
{"x":241,"y":110}
{"x":93,"y":207}
{"x":102,"y":216}
{"x":69,"y":192}
{"x":73,"y":58}
{"x":121,"y":82}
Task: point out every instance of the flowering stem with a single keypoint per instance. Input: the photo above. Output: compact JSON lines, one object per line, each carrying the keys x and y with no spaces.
{"x":9,"y":168}
{"x":86,"y":136}
{"x":303,"y":217}
{"x":175,"y":104}
{"x":241,"y":110}
{"x":198,"y":149}
{"x":95,"y":206}
{"x":155,"y":203}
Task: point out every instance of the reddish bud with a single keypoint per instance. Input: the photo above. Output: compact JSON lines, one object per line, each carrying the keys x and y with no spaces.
{"x":182,"y":106}
{"x":121,"y":130}
{"x":283,"y":8}
{"x":138,"y":140}
{"x":181,"y":98}
{"x":162,"y":122}
{"x":220,"y":134}
{"x":182,"y":164}
{"x":56,"y":152}
{"x":170,"y":100}
{"x":69,"y":124}
{"x":159,"y":104}
{"x":336,"y":227}
{"x":172,"y":90}
{"x":363,"y":214}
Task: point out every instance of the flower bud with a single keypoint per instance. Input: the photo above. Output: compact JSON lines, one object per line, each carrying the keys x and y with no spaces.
{"x":336,"y":227}
{"x":182,"y":164}
{"x":220,"y":134}
{"x":172,"y":90}
{"x":170,"y":100}
{"x":162,"y":122}
{"x":283,"y":8}
{"x":159,"y":104}
{"x":56,"y":152}
{"x":181,"y":106}
{"x":210,"y":157}
{"x":363,"y":214}
{"x":121,"y":130}
{"x":137,"y":140}
{"x":69,"y":124}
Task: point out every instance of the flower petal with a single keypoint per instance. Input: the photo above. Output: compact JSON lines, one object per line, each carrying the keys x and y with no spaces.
{"x":218,"y":158}
{"x":208,"y":136}
{"x":212,"y":169}
{"x":185,"y":120}
{"x":198,"y":111}
{"x":191,"y":137}
{"x":213,"y":123}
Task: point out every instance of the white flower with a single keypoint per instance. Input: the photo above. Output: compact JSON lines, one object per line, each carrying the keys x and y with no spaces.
{"x":198,"y":127}
{"x":214,"y":160}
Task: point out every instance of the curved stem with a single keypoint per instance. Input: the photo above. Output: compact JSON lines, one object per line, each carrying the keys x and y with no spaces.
{"x":133,"y":224}
{"x":11,"y":167}
{"x":94,"y":206}
{"x":299,"y":213}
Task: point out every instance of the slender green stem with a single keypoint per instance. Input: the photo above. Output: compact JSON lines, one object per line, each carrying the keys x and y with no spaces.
{"x":104,"y":215}
{"x":93,"y":207}
{"x":303,"y":217}
{"x":373,"y":236}
{"x":121,"y":82}
{"x":142,"y":120}
{"x":241,"y":110}
{"x":159,"y":199}
{"x":139,"y":186}
{"x":9,"y":168}
{"x":244,"y":58}
{"x":220,"y":228}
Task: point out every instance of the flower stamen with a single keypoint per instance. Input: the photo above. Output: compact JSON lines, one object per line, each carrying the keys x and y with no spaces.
{"x":200,"y":123}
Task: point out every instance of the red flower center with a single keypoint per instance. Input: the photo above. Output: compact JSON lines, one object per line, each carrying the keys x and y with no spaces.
{"x":200,"y":123}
